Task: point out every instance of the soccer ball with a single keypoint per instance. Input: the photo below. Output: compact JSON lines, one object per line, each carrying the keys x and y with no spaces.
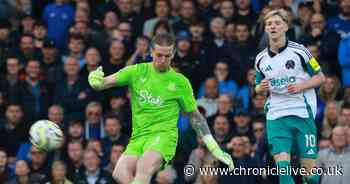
{"x":46,"y":135}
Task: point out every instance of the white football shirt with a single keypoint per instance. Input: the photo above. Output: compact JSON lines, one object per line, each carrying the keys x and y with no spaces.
{"x":291,"y":65}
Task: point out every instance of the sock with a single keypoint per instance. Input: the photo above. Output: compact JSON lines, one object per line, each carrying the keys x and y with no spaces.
{"x":314,"y":179}
{"x":285,"y":178}
{"x":136,"y":182}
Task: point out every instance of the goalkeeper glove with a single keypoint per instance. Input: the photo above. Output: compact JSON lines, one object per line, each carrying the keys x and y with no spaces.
{"x":96,"y":78}
{"x":214,"y":148}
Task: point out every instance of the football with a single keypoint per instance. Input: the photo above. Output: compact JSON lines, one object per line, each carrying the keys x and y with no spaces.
{"x":46,"y":135}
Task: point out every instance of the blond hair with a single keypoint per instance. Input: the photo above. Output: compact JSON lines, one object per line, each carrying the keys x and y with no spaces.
{"x":279,"y":12}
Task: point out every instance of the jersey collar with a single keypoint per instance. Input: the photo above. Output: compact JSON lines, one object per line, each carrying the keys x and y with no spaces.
{"x":272,"y":54}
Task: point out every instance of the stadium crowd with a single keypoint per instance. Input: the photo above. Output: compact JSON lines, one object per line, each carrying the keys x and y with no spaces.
{"x":48,"y":48}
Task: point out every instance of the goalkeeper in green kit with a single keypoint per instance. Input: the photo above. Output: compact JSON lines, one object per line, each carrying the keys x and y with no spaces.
{"x":158,"y":94}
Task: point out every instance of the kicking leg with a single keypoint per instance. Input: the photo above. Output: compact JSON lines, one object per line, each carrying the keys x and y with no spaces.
{"x":125,"y":169}
{"x":147,"y":165}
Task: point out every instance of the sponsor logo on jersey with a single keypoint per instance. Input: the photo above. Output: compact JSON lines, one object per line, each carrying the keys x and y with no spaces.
{"x":147,"y":97}
{"x":282,"y":81}
{"x":290,"y":64}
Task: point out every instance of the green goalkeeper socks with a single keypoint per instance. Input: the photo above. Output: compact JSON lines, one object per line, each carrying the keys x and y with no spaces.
{"x":285,"y":178}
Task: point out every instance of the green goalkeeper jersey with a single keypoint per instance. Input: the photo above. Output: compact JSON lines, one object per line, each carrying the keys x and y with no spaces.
{"x":156,"y":98}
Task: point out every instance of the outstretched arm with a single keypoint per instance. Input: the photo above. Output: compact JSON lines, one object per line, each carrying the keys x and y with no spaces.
{"x":199,"y":124}
{"x":99,"y":82}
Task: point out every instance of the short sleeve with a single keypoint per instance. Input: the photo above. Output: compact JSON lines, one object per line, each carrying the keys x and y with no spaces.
{"x":124,"y":76}
{"x":259,"y":76}
{"x":187,"y":100}
{"x":309,"y":63}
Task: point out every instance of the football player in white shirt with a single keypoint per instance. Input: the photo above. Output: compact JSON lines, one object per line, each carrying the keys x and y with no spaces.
{"x":289,"y":74}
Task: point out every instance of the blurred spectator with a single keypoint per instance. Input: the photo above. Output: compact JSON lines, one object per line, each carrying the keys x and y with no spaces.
{"x":82,"y":28}
{"x":327,"y":92}
{"x":94,"y":127}
{"x":74,"y":162}
{"x":344,"y":60}
{"x":71,"y":91}
{"x":209,"y":162}
{"x":218,"y":47}
{"x":116,"y":57}
{"x":51,"y":64}
{"x":345,"y":115}
{"x":58,"y":173}
{"x":341,"y":22}
{"x":5,"y":172}
{"x":230,"y":31}
{"x":162,"y":10}
{"x":221,"y":130}
{"x":246,"y":47}
{"x":36,"y":94}
{"x":198,"y":42}
{"x":324,"y":143}
{"x":93,"y":173}
{"x":326,"y":40}
{"x":102,"y":38}
{"x":185,"y":61}
{"x":162,"y":26}
{"x":141,"y":53}
{"x":330,"y":119}
{"x":13,"y":130}
{"x":27,"y":23}
{"x":113,"y":128}
{"x":242,"y":126}
{"x":226,"y":84}
{"x":75,"y":131}
{"x":92,"y":59}
{"x":5,"y":41}
{"x":206,"y":10}
{"x":39,"y":33}
{"x":246,"y":91}
{"x":96,"y":145}
{"x":23,"y":175}
{"x":227,"y":10}
{"x":126,"y":31}
{"x":258,"y":105}
{"x":305,"y":12}
{"x":56,"y":115}
{"x":209,"y":100}
{"x":258,"y":126}
{"x":245,"y":12}
{"x":225,"y":108}
{"x":166,"y":176}
{"x":10,"y":83}
{"x":76,"y":46}
{"x":187,"y":15}
{"x":241,"y":159}
{"x":116,"y":151}
{"x":196,"y":159}
{"x":26,"y":50}
{"x":58,"y":17}
{"x":39,"y":165}
{"x":335,"y":157}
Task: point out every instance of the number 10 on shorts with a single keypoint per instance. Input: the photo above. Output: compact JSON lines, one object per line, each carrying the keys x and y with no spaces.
{"x":310,"y":140}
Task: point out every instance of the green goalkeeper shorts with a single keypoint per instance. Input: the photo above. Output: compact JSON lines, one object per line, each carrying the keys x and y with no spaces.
{"x":164,"y":143}
{"x":287,"y":132}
